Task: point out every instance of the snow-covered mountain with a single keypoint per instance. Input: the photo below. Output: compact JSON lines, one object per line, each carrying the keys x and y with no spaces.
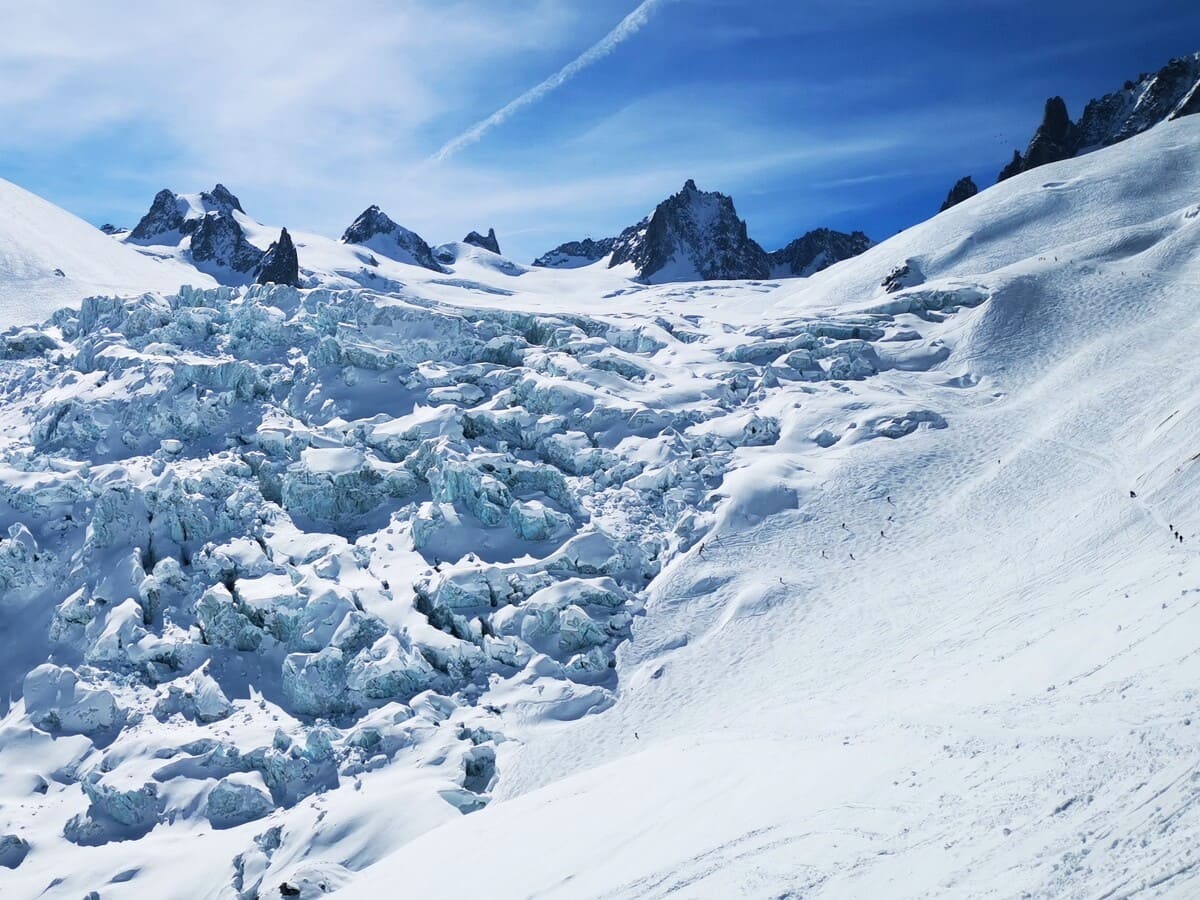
{"x":373,"y":229}
{"x":206,"y":229}
{"x":49,"y":258}
{"x":1171,"y":92}
{"x":693,"y":235}
{"x":210,"y":235}
{"x":696,"y":235}
{"x":939,"y":638}
{"x":576,"y":254}
{"x":818,"y":249}
{"x":504,"y":581}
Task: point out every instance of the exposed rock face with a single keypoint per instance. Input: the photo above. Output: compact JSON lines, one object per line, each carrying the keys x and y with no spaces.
{"x":486,"y":242}
{"x":376,"y":230}
{"x":692,"y":236}
{"x":219,"y":239}
{"x":1171,"y":92}
{"x":696,"y":235}
{"x":817,"y":250}
{"x":110,"y":229}
{"x":964,"y":189}
{"x":205,"y":222}
{"x":164,"y":217}
{"x":576,"y":254}
{"x":280,"y":264}
{"x":1054,"y":139}
{"x":906,"y":274}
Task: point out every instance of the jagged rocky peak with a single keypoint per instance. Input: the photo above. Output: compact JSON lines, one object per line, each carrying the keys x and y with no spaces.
{"x":172,"y":215}
{"x":375,"y":229}
{"x":219,"y":240}
{"x":693,"y":235}
{"x":576,"y":254}
{"x":1053,"y":140}
{"x":1171,"y":92}
{"x":818,"y":249}
{"x":204,"y":225}
{"x":166,"y":216}
{"x":221,"y":199}
{"x":485,"y":242}
{"x":280,"y":264}
{"x":964,"y":189}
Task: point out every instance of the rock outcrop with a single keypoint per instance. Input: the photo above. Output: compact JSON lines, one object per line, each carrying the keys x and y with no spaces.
{"x":964,"y":189}
{"x":486,"y":242}
{"x":696,"y":235}
{"x":817,"y":250}
{"x":205,"y":226}
{"x":693,"y":235}
{"x":576,"y":254}
{"x":280,"y":264}
{"x":374,"y":229}
{"x":1171,"y":92}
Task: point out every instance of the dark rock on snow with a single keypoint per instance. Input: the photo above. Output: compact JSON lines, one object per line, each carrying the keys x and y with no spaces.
{"x":374,"y":229}
{"x":280,"y":264}
{"x":964,"y":189}
{"x":575,"y":254}
{"x":692,"y":235}
{"x":697,"y":236}
{"x":219,"y":239}
{"x":818,"y":249}
{"x":205,"y":223}
{"x":1171,"y":92}
{"x":488,"y":242}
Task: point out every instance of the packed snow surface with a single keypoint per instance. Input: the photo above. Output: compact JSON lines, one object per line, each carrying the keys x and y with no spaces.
{"x":49,"y":258}
{"x":509,"y":583}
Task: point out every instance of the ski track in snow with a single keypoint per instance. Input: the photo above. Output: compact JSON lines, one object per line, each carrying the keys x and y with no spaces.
{"x":786,"y":589}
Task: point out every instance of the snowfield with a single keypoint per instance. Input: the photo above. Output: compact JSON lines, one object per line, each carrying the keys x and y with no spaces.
{"x":49,"y":258}
{"x":515,"y":582}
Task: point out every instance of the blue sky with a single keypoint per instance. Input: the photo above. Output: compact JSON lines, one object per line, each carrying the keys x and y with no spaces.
{"x":843,"y":113}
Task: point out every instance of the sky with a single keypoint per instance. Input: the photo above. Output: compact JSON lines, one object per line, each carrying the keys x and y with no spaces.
{"x":551,"y":120}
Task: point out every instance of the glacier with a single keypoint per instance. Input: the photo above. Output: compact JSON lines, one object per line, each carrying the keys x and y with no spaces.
{"x":863,"y":584}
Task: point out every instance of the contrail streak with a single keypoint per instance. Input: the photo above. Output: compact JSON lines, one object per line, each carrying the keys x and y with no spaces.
{"x":628,"y":27}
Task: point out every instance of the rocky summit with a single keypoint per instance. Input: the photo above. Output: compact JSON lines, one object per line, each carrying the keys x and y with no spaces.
{"x":485,"y":242}
{"x":964,"y":189}
{"x":374,"y":229}
{"x":692,"y":235}
{"x":1171,"y":92}
{"x":280,"y":264}
{"x":205,"y":226}
{"x":696,"y":235}
{"x":817,"y":250}
{"x":575,"y":254}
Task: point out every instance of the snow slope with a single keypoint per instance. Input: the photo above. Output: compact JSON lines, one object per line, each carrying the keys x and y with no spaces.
{"x":38,"y":240}
{"x":518,"y":582}
{"x":996,"y":695}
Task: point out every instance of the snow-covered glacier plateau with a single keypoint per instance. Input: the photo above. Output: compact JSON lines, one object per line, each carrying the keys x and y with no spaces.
{"x":510,"y":582}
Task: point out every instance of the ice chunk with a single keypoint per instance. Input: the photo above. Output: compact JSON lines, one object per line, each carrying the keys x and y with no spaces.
{"x":238,"y":799}
{"x":56,"y":702}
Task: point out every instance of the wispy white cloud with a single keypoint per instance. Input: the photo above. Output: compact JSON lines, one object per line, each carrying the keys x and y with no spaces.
{"x":627,"y":28}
